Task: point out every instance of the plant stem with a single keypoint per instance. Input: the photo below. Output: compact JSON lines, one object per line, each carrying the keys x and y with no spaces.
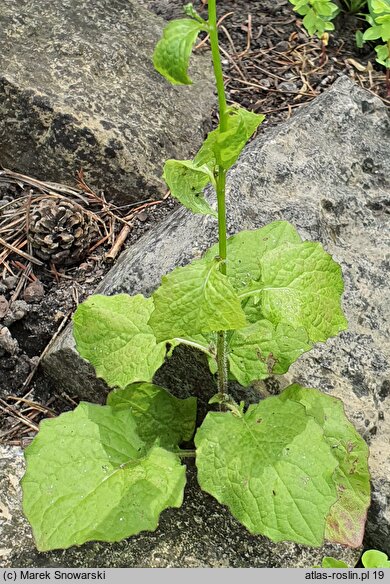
{"x":220,"y":185}
{"x":388,"y":70}
{"x":212,"y":4}
{"x":186,"y":453}
{"x":221,"y":201}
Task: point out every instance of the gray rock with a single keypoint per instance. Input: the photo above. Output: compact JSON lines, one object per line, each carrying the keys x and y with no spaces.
{"x":199,"y":534}
{"x":78,"y":89}
{"x":7,"y":343}
{"x":326,"y":171}
{"x":288,"y":87}
{"x":10,"y":282}
{"x":34,"y":292}
{"x":17,"y":311}
{"x":3,"y":306}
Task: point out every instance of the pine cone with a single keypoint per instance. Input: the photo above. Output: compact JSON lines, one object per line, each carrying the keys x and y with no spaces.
{"x":60,"y":231}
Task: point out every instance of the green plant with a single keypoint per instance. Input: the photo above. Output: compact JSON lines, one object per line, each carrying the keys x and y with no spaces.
{"x":379,"y":20}
{"x":370,"y":559}
{"x":354,"y":6}
{"x":317,"y":14}
{"x":291,"y":467}
{"x":375,"y":559}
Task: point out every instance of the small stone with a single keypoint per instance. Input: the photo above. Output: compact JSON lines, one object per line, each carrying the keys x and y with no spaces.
{"x":58,"y":315}
{"x":7,"y":342}
{"x":267,"y":82}
{"x":3,"y":288}
{"x":10,"y":282}
{"x":84,"y":266}
{"x":9,"y":363}
{"x":17,"y":311}
{"x":142,"y":216}
{"x":288,"y":87}
{"x":282,"y":46}
{"x":34,"y":292}
{"x":3,"y":306}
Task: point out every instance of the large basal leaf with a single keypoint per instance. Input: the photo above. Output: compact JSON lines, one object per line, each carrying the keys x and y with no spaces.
{"x":263,"y":349}
{"x":345,"y":523}
{"x":90,"y":477}
{"x":245,"y":250}
{"x":195,"y":299}
{"x":159,"y":415}
{"x":301,"y":285}
{"x":186,"y":182}
{"x":272,"y":467}
{"x":172,"y":53}
{"x":223,"y":148}
{"x":112,"y":332}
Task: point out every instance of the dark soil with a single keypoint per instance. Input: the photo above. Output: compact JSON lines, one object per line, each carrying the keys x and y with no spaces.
{"x":270,"y":66}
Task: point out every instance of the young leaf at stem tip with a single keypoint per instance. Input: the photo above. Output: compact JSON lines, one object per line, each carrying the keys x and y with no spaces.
{"x":172,"y":53}
{"x":190,"y":11}
{"x":223,"y":148}
{"x":186,"y":179}
{"x":186,"y":182}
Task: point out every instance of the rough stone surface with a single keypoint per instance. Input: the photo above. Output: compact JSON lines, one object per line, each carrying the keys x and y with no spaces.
{"x":78,"y":89}
{"x":327,"y":171}
{"x":199,"y":534}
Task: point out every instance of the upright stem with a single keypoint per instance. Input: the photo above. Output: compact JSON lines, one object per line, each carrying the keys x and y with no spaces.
{"x":220,"y":185}
{"x":221,"y":201}
{"x":388,"y":70}
{"x":212,"y":4}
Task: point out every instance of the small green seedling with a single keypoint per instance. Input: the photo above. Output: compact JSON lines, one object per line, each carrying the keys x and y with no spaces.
{"x":379,"y":20}
{"x":354,"y":6}
{"x":317,"y":14}
{"x":370,"y":559}
{"x":291,"y":467}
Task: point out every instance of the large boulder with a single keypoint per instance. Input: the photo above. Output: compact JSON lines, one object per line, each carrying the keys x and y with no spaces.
{"x":78,"y":89}
{"x":327,"y":171}
{"x":201,"y":534}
